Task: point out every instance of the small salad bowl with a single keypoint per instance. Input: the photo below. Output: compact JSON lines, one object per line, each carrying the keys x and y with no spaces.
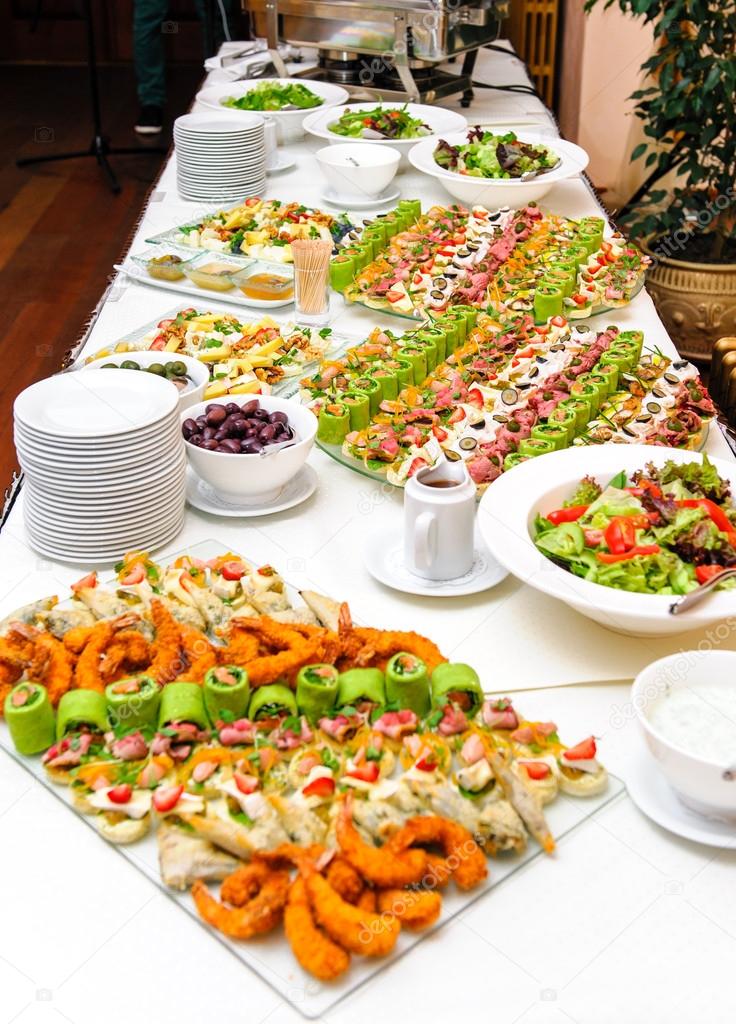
{"x":508,"y":510}
{"x":355,"y":170}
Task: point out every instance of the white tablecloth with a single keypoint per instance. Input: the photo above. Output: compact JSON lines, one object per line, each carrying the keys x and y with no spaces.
{"x":624,"y":923}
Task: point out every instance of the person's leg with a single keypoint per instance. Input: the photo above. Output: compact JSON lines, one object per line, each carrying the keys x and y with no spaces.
{"x":148,"y":51}
{"x":216,"y":16}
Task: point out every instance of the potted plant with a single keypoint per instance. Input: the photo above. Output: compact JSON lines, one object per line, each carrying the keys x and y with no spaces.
{"x":684,"y":214}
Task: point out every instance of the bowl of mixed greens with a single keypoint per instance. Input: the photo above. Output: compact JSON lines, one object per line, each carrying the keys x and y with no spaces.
{"x":498,"y":166}
{"x":398,"y":125}
{"x":618,"y":532}
{"x":287,"y":100}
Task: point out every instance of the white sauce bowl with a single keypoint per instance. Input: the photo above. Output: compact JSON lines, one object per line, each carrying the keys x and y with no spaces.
{"x":358,"y":170}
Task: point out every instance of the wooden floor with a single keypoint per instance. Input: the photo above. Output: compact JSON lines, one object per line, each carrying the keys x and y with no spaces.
{"x":61,"y":228}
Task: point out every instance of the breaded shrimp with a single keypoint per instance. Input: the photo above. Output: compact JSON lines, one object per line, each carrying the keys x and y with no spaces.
{"x":358,"y":931}
{"x":259,"y":913}
{"x":366,"y":646}
{"x":167,"y":661}
{"x":344,"y":879}
{"x":417,"y":909}
{"x":52,"y":665}
{"x":368,"y":900}
{"x":128,"y":651}
{"x":464,"y":859}
{"x":87,"y":675}
{"x":314,"y":950}
{"x":384,"y":866}
{"x":199,"y":653}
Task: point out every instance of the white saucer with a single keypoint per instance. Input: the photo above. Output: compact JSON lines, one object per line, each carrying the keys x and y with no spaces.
{"x":383,"y":556}
{"x":200,"y":495}
{"x":358,"y":203}
{"x":283,"y":163}
{"x":653,"y":795}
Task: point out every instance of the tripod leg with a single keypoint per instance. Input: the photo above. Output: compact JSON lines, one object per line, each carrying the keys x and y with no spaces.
{"x":27,"y":160}
{"x":107,"y":170}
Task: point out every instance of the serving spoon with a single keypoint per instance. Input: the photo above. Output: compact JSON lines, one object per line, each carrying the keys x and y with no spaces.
{"x":528,"y":175}
{"x":688,"y":601}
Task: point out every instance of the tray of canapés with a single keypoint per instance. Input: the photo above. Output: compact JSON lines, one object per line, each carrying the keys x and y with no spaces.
{"x":412,"y":264}
{"x":496,"y":390}
{"x":348,"y":783}
{"x":242,"y":356}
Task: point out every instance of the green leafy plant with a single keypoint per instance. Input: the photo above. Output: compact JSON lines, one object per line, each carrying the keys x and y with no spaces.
{"x":687,"y":106}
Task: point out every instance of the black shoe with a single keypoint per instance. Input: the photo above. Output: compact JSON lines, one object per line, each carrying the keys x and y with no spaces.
{"x":150,"y":120}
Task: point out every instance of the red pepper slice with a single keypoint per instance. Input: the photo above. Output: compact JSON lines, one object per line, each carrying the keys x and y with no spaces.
{"x":717,"y":514}
{"x":704,"y":573}
{"x":567,"y":515}
{"x":643,"y":549}
{"x":620,"y":535}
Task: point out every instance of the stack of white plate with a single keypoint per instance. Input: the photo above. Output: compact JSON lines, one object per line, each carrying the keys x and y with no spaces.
{"x":104,"y":463}
{"x":219,"y":156}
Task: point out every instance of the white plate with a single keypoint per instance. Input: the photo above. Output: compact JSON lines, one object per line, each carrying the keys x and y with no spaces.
{"x":105,"y":555}
{"x":187,"y":287}
{"x":281,"y":163}
{"x":200,"y":495}
{"x":101,"y":403}
{"x":35,"y":458}
{"x":115,"y":478}
{"x":103,"y":487}
{"x":383,"y":557}
{"x":130,"y":440}
{"x":653,"y":795}
{"x":101,"y":536}
{"x":77,"y":502}
{"x":217,"y":124}
{"x":60,"y":517}
{"x":438,"y":119}
{"x":507,"y":511}
{"x":360,"y":202}
{"x":495,"y":192}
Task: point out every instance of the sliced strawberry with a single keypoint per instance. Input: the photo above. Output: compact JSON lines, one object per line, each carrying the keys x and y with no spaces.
{"x":233,"y":570}
{"x":121,"y":794}
{"x":135,"y":575}
{"x":167,"y":797}
{"x":245,"y":783}
{"x":584,"y":751}
{"x":536,"y":769}
{"x":321,"y":786}
{"x":426,"y":763}
{"x":367,"y":772}
{"x":86,"y":582}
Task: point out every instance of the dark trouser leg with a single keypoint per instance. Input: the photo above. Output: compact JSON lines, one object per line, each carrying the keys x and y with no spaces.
{"x":148,"y":51}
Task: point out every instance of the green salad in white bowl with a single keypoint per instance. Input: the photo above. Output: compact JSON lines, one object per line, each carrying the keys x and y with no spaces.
{"x":486,"y":155}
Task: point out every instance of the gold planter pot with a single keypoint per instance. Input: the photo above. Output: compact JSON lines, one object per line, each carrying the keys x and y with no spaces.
{"x":696,"y":301}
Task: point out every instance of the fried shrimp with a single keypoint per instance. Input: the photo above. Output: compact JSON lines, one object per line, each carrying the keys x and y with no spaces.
{"x":128,"y":651}
{"x":76,"y":638}
{"x":87,"y":674}
{"x":366,"y":646}
{"x":357,"y":930}
{"x":314,"y":950}
{"x":167,"y":660}
{"x":344,"y":879}
{"x":367,"y":900}
{"x":464,"y":859}
{"x":200,"y":655}
{"x":417,"y":909}
{"x":384,"y":866}
{"x":52,"y":665}
{"x":259,"y":892}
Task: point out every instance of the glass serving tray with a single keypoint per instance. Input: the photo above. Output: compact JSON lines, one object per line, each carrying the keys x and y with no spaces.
{"x":383,"y":306}
{"x":287,"y":387}
{"x":270,"y":956}
{"x":234,"y":295}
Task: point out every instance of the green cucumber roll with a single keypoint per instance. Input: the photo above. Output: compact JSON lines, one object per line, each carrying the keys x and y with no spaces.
{"x":610,"y":372}
{"x":633,"y":340}
{"x":272,"y":700}
{"x":360,"y":254}
{"x":469,"y":312}
{"x":365,"y":249}
{"x":548,"y":301}
{"x":30,"y":718}
{"x":623,"y":361}
{"x":581,"y":409}
{"x":407,"y":683}
{"x":316,"y":690}
{"x":438,"y":337}
{"x":411,"y":206}
{"x":602,"y":381}
{"x":182,"y":702}
{"x":455,"y":683}
{"x":361,"y":684}
{"x":371,"y":387}
{"x":459,"y":320}
{"x":555,"y":274}
{"x":376,"y":229}
{"x":553,"y":432}
{"x":582,"y":389}
{"x":578,"y":254}
{"x":374,"y":241}
{"x":226,"y":689}
{"x":343,"y":269}
{"x":359,"y":408}
{"x":513,"y":459}
{"x":533,"y":446}
{"x":79,"y":708}
{"x":452,"y":332}
{"x":388,"y":380}
{"x":391,"y":224}
{"x":403,"y":369}
{"x":133,"y":703}
{"x":418,"y":359}
{"x":429,"y":346}
{"x":564,"y":418}
{"x":333,"y":423}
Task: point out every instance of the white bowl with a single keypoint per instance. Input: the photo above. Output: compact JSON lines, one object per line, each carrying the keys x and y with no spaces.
{"x":704,"y":785}
{"x":254,"y":479}
{"x":437,"y":119}
{"x":198,"y":373}
{"x":289,"y":123}
{"x":490,"y":192}
{"x":358,"y":170}
{"x":506,"y":516}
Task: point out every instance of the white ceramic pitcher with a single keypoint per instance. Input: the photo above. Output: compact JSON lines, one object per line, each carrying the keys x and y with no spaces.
{"x":439,"y":516}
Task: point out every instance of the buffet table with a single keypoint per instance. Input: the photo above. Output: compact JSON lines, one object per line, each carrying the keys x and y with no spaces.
{"x":604,"y":931}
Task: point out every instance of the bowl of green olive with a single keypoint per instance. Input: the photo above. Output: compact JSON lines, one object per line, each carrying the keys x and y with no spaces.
{"x":189,"y":376}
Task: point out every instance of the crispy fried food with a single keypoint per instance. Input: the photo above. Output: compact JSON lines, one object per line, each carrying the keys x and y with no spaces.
{"x":127,"y":652}
{"x":417,"y":909}
{"x":87,"y":674}
{"x":241,"y":645}
{"x":368,"y":900}
{"x":526,"y":803}
{"x":384,"y":866}
{"x":259,"y":892}
{"x":76,"y":638}
{"x":290,"y":854}
{"x":364,"y":646}
{"x":200,"y":654}
{"x":356,"y":930}
{"x":464,"y":859}
{"x":52,"y":665}
{"x":288,"y":650}
{"x":344,"y":879}
{"x":167,"y":661}
{"x":314,"y":950}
